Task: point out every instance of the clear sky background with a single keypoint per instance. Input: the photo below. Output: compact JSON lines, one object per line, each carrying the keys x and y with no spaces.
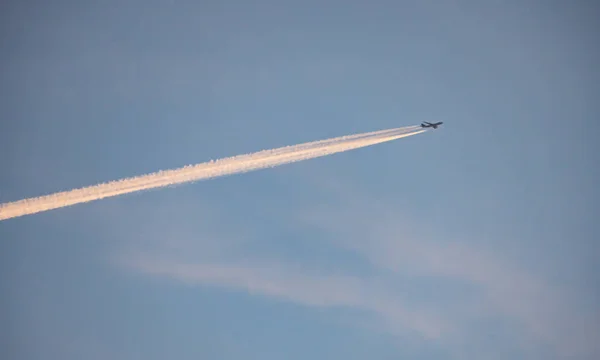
{"x":475,"y":241}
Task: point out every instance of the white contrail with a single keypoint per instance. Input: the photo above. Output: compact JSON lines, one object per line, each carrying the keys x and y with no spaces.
{"x":214,"y":168}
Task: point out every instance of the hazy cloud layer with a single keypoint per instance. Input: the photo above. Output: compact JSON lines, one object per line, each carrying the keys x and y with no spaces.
{"x":438,"y":289}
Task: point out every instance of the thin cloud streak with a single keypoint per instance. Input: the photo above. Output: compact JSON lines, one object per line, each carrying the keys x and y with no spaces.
{"x":317,"y":290}
{"x":539,"y":317}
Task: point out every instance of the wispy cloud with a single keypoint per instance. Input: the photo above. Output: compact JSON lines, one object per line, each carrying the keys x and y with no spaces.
{"x":299,"y":286}
{"x":471,"y":285}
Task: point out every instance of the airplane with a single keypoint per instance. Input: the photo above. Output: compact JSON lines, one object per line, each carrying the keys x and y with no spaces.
{"x":435,"y":125}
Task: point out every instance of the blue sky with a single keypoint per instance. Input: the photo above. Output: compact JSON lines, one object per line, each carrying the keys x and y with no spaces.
{"x":478,"y":240}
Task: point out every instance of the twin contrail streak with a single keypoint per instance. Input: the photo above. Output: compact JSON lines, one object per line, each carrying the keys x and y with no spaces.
{"x":208,"y":170}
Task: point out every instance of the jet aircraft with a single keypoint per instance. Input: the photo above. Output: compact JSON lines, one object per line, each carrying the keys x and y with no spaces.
{"x":434,"y":125}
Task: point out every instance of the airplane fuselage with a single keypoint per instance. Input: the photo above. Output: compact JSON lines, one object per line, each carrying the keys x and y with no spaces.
{"x":430,"y":125}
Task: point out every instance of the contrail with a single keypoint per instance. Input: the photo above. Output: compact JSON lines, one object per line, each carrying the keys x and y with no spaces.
{"x":208,"y":170}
